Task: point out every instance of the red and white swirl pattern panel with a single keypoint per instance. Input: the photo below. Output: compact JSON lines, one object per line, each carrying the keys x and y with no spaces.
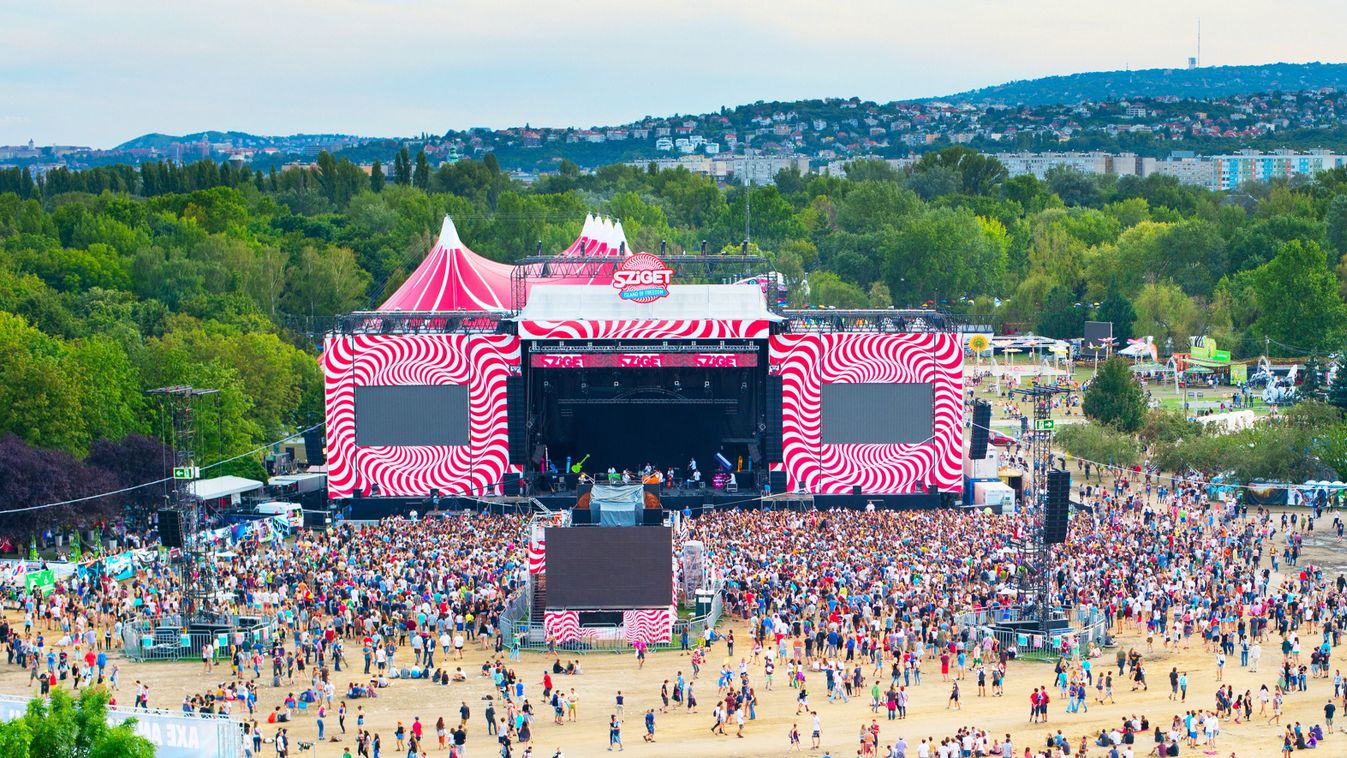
{"x":652,"y":626}
{"x":647,"y":329}
{"x":481,"y":362}
{"x":806,"y":362}
{"x":561,"y":626}
{"x":537,"y":556}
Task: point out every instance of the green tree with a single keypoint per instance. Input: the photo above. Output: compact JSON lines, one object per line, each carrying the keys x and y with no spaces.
{"x":376,"y":176}
{"x":1099,"y":444}
{"x":1073,"y":186}
{"x":1298,"y":300}
{"x":979,"y":174}
{"x":1312,"y":385}
{"x":421,"y":176}
{"x":1165,"y":313}
{"x":1114,"y":397}
{"x":1337,"y":386}
{"x":828,"y":290}
{"x":1062,"y":316}
{"x":1118,"y":310}
{"x":324,"y":282}
{"x":63,"y":727}
{"x":40,"y":398}
{"x":879,"y":296}
{"x":402,"y":167}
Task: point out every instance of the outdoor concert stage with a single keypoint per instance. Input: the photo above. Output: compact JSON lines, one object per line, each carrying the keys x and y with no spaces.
{"x":479,"y":380}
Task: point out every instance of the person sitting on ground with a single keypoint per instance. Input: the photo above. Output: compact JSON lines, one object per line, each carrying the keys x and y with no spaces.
{"x":459,"y":676}
{"x":556,"y":666}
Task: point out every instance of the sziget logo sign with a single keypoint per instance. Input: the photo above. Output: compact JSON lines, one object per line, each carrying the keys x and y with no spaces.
{"x":561,"y":361}
{"x":640,"y":361}
{"x":717,"y":360}
{"x":642,"y":278}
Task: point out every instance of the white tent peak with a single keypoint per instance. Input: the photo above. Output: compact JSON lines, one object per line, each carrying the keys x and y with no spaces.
{"x":588,"y":229}
{"x":449,"y":235}
{"x":620,"y":238}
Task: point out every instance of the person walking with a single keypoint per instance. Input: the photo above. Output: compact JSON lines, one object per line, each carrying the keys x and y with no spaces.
{"x":614,"y":733}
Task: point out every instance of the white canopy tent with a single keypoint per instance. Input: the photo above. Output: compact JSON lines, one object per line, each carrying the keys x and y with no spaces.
{"x":223,"y":486}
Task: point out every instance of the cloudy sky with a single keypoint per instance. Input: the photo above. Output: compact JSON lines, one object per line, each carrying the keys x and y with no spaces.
{"x":98,"y":72}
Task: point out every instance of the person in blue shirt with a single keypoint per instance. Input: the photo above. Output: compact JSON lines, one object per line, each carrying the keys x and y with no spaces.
{"x":650,"y":725}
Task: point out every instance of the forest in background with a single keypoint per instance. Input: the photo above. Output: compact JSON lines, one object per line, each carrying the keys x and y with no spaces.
{"x":118,"y":279}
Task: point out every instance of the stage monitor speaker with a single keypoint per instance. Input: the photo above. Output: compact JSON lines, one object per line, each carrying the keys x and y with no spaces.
{"x":855,"y":489}
{"x":772,"y":435}
{"x":776,"y":480}
{"x":582,"y":517}
{"x":516,"y":418}
{"x":982,"y":421}
{"x":314,"y":449}
{"x":509,"y":484}
{"x":652,"y":517}
{"x":1058,"y":507}
{"x":170,"y":528}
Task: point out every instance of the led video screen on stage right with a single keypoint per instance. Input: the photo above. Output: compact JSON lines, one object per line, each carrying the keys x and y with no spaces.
{"x":877,"y":414}
{"x":613,"y":568}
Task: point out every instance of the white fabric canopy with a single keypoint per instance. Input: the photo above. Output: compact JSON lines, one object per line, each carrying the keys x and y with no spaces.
{"x":223,"y":486}
{"x":686,"y":302}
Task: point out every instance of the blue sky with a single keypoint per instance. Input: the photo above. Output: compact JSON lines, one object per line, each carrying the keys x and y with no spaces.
{"x":98,"y":72}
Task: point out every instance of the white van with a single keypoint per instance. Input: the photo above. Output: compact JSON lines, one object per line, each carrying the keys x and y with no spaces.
{"x":294,"y":514}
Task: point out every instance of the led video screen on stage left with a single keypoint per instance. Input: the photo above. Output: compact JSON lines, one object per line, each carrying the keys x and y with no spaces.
{"x":409,"y":415}
{"x":609,"y":568}
{"x":878,"y":413}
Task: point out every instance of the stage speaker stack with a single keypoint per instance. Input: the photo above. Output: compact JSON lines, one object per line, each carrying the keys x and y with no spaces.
{"x":1058,"y":507}
{"x":777,"y":481}
{"x":509,"y":484}
{"x":516,"y":418}
{"x":652,"y":516}
{"x":772,"y":435}
{"x":314,"y":448}
{"x":982,"y":421}
{"x":170,"y":528}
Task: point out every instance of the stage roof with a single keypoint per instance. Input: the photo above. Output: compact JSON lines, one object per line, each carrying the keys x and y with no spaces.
{"x":454,"y":278}
{"x":686,"y":302}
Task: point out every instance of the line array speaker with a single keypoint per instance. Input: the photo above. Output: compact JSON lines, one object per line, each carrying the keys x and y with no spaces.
{"x":777,"y":481}
{"x":1058,"y":507}
{"x":509,"y":484}
{"x":170,"y":528}
{"x":315,"y":451}
{"x":982,"y":421}
{"x":772,"y":441}
{"x":516,"y":417}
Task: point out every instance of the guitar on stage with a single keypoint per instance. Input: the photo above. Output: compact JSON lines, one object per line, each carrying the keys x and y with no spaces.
{"x":575,"y":469}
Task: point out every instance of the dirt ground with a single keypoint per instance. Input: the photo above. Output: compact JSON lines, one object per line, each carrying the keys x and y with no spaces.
{"x":681,"y":734}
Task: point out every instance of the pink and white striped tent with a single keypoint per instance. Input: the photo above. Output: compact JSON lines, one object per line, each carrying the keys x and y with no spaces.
{"x":454,"y":278}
